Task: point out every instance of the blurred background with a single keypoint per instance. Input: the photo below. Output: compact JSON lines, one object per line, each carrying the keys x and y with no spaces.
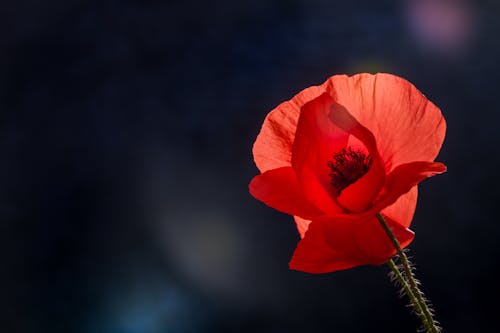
{"x":125,"y":138}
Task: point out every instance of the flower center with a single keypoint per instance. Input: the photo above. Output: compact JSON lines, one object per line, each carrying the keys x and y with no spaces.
{"x":347,"y":166}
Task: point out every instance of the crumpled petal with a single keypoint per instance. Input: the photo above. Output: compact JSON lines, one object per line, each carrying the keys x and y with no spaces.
{"x":407,"y":126}
{"x":280,"y":189}
{"x":273,"y":147}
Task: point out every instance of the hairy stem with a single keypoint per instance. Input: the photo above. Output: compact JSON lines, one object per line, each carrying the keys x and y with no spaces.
{"x":407,"y":290}
{"x":431,"y":326}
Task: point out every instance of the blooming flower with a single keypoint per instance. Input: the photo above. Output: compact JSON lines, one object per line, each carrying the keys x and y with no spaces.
{"x":337,"y":154}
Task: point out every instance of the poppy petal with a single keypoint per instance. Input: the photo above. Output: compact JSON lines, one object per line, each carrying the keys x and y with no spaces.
{"x":273,"y":147}
{"x":403,"y":178}
{"x":358,"y":196}
{"x":395,"y":112}
{"x":316,"y":140}
{"x":302,"y":225}
{"x":403,"y":209}
{"x":279,"y":189}
{"x":329,"y":246}
{"x":374,"y":242}
{"x":315,"y":254}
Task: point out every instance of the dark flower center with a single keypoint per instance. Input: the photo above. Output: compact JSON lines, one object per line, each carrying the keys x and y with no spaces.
{"x":347,"y":166}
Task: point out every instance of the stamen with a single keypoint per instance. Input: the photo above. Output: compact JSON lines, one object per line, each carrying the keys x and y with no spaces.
{"x":347,"y":166}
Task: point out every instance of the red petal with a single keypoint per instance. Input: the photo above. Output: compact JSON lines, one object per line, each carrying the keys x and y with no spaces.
{"x":359,"y":196}
{"x":403,"y":178}
{"x":314,"y":254}
{"x":399,"y":195}
{"x":374,"y":242}
{"x":279,"y":189}
{"x":316,"y":139}
{"x":407,"y":126}
{"x":331,"y":245}
{"x":273,"y":147}
{"x":403,"y":209}
{"x":302,"y":225}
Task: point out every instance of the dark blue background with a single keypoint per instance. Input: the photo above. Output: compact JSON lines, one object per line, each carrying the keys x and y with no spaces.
{"x":125,"y":138}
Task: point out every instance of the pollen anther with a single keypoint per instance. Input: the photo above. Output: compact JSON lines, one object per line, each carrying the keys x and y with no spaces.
{"x":347,"y":166}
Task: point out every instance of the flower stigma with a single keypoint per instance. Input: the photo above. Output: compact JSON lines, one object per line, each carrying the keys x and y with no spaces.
{"x":347,"y":166}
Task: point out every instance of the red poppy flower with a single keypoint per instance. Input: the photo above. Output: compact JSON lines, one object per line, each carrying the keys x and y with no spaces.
{"x":337,"y":154}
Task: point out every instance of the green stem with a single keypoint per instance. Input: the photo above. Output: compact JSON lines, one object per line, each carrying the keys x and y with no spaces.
{"x":402,"y":282}
{"x":432,"y":327}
